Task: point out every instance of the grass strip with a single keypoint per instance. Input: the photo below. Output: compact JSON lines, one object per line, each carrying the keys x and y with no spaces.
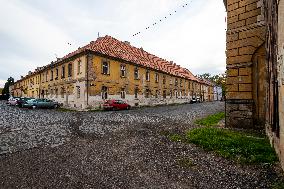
{"x":235,"y":145}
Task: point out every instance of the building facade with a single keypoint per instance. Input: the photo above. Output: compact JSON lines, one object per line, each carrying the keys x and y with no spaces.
{"x":111,"y":69}
{"x":255,"y":42}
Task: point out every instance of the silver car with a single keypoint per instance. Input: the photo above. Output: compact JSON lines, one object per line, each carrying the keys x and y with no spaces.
{"x":40,"y":103}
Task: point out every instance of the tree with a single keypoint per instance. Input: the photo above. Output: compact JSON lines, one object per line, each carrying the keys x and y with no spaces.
{"x":219,"y":80}
{"x":9,"y":83}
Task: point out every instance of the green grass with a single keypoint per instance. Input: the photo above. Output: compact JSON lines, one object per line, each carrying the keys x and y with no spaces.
{"x":278,"y":185}
{"x":175,"y":137}
{"x":211,"y":120}
{"x":235,"y":145}
{"x":186,"y":162}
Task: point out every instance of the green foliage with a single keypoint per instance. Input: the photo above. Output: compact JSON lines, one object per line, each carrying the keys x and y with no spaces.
{"x":235,"y":145}
{"x":219,"y":80}
{"x":186,"y":162}
{"x":175,"y":137}
{"x":278,"y":185}
{"x":9,"y":83}
{"x":211,"y":120}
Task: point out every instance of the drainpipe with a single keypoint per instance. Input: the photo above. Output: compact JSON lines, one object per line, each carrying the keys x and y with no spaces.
{"x":87,"y":75}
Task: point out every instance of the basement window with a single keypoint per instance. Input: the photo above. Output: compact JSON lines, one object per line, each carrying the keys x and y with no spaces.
{"x":122,"y":93}
{"x":136,"y":93}
{"x":104,"y":92}
{"x":78,"y":92}
{"x":147,"y":92}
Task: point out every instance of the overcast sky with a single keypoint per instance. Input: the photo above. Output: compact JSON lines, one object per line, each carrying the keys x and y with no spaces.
{"x":34,"y":32}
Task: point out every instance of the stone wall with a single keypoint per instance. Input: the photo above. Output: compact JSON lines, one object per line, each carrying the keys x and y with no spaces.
{"x":245,"y":35}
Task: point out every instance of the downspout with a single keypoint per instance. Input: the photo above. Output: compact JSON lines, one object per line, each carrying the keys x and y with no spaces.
{"x":87,"y":78}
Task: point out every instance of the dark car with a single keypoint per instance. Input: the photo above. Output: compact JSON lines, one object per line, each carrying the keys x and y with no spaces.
{"x":116,"y":105}
{"x":22,"y":101}
{"x":195,"y":100}
{"x":40,"y":103}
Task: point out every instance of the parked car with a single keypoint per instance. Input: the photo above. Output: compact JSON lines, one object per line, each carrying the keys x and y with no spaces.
{"x":13,"y":101}
{"x":40,"y":103}
{"x":23,"y":100}
{"x":195,"y":100}
{"x":116,"y":105}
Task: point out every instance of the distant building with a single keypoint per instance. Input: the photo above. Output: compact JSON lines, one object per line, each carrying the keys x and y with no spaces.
{"x":111,"y":69}
{"x":218,"y":93}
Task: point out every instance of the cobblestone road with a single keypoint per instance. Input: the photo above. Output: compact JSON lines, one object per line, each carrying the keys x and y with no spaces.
{"x":122,"y":149}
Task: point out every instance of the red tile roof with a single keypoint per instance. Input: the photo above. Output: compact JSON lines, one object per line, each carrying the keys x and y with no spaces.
{"x":123,"y":50}
{"x":114,"y":48}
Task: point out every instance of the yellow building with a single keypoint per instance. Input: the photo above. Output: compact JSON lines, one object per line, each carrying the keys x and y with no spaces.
{"x":110,"y":69}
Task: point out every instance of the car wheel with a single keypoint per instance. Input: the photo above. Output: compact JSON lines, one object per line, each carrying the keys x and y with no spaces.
{"x":55,"y":106}
{"x":34,"y":107}
{"x":128,"y":107}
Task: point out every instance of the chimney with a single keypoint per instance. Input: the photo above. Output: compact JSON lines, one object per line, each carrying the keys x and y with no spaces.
{"x":141,"y":48}
{"x":127,"y":42}
{"x":29,"y":73}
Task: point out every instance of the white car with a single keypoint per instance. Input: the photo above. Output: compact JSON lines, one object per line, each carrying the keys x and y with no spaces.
{"x":13,"y":101}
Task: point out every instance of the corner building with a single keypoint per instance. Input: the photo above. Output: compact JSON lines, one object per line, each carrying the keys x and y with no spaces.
{"x":111,"y":69}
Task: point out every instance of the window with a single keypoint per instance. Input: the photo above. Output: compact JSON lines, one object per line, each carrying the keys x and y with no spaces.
{"x":104,"y":92}
{"x":46,"y":76}
{"x":122,"y":93}
{"x":136,"y":93}
{"x":176,"y":82}
{"x":164,"y":94}
{"x":69,"y":70}
{"x":147,"y":75}
{"x":122,"y":70}
{"x":147,"y":91}
{"x":156,"y":77}
{"x":171,"y":94}
{"x":157,"y":94}
{"x":63,"y":72}
{"x":78,"y":91}
{"x":176,"y":94}
{"x":56,"y":92}
{"x":105,"y":67}
{"x":79,"y":67}
{"x":180,"y":83}
{"x":62,"y":92}
{"x":42,"y":78}
{"x":171,"y":81}
{"x":56,"y":74}
{"x":51,"y":75}
{"x":136,"y":73}
{"x":164,"y":79}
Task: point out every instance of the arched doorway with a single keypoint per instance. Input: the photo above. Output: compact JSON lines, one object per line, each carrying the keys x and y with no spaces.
{"x":259,"y":86}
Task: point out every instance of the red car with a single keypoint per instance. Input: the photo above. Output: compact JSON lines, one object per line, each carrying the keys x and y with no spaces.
{"x":116,"y":105}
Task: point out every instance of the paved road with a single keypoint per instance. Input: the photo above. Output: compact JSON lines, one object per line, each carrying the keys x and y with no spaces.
{"x":122,"y":149}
